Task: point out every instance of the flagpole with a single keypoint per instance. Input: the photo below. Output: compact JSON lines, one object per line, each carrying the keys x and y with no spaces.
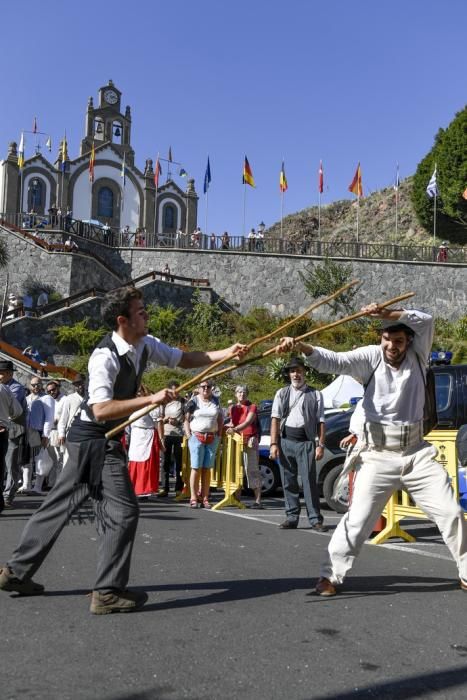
{"x":206,"y":213}
{"x":358,"y":209}
{"x":156,"y":182}
{"x":244,"y":207}
{"x":397,"y":214}
{"x":282,"y":211}
{"x":434,"y":222}
{"x":319,"y":215}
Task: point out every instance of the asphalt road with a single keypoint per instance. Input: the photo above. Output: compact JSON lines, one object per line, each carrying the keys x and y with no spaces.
{"x":231,"y":614}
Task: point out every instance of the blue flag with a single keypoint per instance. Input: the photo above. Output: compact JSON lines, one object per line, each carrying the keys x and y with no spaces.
{"x":207,"y":177}
{"x":432,"y":187}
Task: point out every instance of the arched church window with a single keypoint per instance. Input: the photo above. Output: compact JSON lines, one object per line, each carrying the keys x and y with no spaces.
{"x":36,"y":195}
{"x":169,"y":218}
{"x":105,"y":203}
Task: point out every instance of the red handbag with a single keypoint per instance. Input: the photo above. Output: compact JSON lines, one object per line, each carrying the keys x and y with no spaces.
{"x":205,"y":438}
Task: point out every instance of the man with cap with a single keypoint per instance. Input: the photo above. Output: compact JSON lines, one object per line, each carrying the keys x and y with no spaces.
{"x":16,"y":434}
{"x":391,"y":452}
{"x":297,"y":438}
{"x":70,"y":407}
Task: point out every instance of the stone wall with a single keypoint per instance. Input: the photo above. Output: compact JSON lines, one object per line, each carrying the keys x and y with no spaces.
{"x":246,"y":280}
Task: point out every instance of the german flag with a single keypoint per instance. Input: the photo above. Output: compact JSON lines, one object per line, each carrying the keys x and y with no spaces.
{"x":283,"y":186}
{"x":248,"y":178}
{"x":91,"y":164}
{"x":356,"y":185}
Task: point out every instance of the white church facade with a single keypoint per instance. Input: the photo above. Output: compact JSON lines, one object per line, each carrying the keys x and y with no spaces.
{"x":92,"y":185}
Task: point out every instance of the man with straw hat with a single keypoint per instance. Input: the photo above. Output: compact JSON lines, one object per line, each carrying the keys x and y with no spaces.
{"x":96,"y":464}
{"x":391,"y":453}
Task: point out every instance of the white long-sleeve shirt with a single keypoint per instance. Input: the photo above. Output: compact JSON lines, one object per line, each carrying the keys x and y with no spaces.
{"x":69,"y":408}
{"x":393,"y":396}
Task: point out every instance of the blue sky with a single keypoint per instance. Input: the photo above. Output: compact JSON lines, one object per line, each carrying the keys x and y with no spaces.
{"x":300,"y":80}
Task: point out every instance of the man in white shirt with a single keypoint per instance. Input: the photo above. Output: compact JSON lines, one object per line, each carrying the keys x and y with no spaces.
{"x":69,"y":409}
{"x":392,"y":454}
{"x":297,"y":439}
{"x":97,"y":466}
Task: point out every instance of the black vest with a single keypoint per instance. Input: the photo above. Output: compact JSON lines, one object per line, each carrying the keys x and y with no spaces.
{"x":126,"y":386}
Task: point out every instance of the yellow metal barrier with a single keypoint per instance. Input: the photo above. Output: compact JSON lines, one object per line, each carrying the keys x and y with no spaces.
{"x":227,"y":473}
{"x":401,"y":506}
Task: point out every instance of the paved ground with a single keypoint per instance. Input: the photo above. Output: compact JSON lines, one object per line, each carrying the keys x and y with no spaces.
{"x":231,"y":614}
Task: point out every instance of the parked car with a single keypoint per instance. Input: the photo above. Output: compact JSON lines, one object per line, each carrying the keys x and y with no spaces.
{"x":451,"y":405}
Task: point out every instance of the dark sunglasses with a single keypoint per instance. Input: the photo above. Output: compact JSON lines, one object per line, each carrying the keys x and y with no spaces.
{"x":205,"y":386}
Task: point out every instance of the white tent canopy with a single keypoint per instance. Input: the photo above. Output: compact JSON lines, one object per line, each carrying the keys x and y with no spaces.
{"x":340,"y":391}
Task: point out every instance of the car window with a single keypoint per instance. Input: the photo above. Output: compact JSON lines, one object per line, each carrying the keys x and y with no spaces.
{"x":444,"y":388}
{"x":265,"y":422}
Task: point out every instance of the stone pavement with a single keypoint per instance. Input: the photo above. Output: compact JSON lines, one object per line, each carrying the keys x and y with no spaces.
{"x":231,"y":614}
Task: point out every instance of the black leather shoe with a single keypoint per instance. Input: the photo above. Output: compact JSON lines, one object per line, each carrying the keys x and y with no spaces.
{"x":289,"y":525}
{"x":319,"y":527}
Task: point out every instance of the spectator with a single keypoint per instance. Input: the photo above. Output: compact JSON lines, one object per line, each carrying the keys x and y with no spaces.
{"x":33,"y":354}
{"x":69,"y":408}
{"x":70,"y":244}
{"x":16,"y":434}
{"x":203,"y":427}
{"x":225,"y":241}
{"x":297,"y":423}
{"x":171,"y":417}
{"x":166,"y":272}
{"x":442,"y":252}
{"x":54,"y":448}
{"x":27,"y":304}
{"x":42,"y":299}
{"x":144,"y":453}
{"x":213,"y":241}
{"x":251,"y":240}
{"x":15,"y":305}
{"x":244,"y":420}
{"x":10,"y":409}
{"x":40,"y":420}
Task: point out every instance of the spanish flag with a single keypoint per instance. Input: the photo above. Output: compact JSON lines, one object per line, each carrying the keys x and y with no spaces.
{"x":91,"y":164}
{"x":283,"y":180}
{"x":356,"y":185}
{"x":248,"y":178}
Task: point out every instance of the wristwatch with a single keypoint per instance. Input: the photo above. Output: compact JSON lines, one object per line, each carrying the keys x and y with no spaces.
{"x":320,"y":444}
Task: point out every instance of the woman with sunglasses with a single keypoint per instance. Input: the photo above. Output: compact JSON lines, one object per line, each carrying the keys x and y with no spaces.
{"x":204,"y":421}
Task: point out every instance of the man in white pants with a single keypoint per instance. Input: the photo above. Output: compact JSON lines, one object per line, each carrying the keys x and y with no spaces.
{"x":391,"y":452}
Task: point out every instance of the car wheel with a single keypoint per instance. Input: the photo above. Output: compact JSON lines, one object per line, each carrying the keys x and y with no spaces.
{"x":270,"y":477}
{"x":341,"y":503}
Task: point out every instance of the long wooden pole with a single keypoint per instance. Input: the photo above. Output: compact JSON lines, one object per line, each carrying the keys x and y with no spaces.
{"x":208,"y":372}
{"x":315,"y":331}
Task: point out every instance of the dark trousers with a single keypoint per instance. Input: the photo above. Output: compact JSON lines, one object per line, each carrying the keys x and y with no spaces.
{"x":298,"y":458}
{"x":116,"y":522}
{"x":12,"y":466}
{"x":173,"y":446}
{"x":3,"y":451}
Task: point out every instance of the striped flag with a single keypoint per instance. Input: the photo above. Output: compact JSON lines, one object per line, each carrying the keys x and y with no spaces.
{"x":157,"y":173}
{"x":21,"y":152}
{"x":207,"y":177}
{"x":92,"y":160}
{"x":283,"y":186}
{"x":248,"y":178}
{"x":356,"y":185}
{"x":65,"y":159}
{"x":320,"y":177}
{"x":432,"y":187}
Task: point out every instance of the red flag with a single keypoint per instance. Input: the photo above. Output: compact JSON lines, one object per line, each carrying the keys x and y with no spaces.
{"x":157,"y":172}
{"x":356,"y":185}
{"x":320,"y":177}
{"x":91,"y":164}
{"x":34,"y":126}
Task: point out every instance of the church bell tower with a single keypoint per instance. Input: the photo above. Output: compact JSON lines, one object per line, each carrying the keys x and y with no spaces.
{"x":106,"y":124}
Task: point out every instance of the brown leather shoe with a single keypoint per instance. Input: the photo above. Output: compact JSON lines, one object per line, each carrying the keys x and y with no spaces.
{"x":463,"y":584}
{"x":319,"y":527}
{"x":325,"y":588}
{"x":289,"y":525}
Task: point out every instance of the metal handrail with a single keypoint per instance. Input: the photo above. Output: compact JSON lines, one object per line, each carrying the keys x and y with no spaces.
{"x":112,"y":238}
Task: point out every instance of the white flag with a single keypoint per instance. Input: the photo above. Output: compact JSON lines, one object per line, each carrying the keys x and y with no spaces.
{"x":432,"y":188}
